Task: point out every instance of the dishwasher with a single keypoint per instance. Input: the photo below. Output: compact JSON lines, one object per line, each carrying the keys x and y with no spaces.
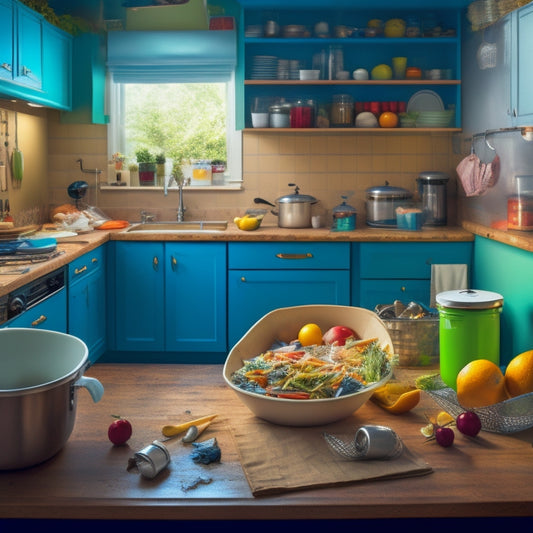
{"x":42,"y":303}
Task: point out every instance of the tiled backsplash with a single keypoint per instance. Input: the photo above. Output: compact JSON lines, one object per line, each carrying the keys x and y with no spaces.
{"x":322,"y":165}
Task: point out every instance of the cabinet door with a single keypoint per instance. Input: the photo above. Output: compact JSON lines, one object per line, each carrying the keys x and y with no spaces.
{"x":87,"y":301}
{"x":48,"y":314}
{"x":139,"y":295}
{"x":29,"y":65}
{"x":385,"y":291}
{"x":253,"y":293}
{"x":195,"y":297}
{"x":57,"y":67}
{"x":523,"y":71}
{"x":6,"y":40}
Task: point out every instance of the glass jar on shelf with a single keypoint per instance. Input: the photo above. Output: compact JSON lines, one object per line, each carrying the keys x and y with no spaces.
{"x":301,"y":115}
{"x":342,"y":110}
{"x":280,"y":115}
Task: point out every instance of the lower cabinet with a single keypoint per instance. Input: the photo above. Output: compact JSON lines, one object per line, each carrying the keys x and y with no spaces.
{"x":87,"y":301}
{"x":48,"y":314}
{"x":265,"y":276}
{"x":170,"y":297}
{"x":401,"y":271}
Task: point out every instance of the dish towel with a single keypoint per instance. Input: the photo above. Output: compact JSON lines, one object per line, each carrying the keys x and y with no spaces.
{"x":447,"y":278}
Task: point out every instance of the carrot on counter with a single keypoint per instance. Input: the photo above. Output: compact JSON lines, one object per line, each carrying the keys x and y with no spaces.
{"x":114,"y":224}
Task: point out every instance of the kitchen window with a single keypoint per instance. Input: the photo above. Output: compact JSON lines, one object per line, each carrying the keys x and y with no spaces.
{"x":174,"y":72}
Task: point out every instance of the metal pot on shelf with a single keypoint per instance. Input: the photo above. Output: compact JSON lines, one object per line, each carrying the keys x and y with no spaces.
{"x":294,"y":210}
{"x":381,"y":204}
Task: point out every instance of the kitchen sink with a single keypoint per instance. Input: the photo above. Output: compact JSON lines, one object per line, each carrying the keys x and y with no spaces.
{"x":198,"y":226}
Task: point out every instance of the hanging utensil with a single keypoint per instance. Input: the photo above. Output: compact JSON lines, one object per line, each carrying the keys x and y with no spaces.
{"x":17,"y":158}
{"x":5,"y":170}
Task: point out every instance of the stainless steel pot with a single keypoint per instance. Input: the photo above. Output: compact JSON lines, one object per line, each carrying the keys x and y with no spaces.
{"x":294,"y":210}
{"x":40,"y":372}
{"x":381,"y":204}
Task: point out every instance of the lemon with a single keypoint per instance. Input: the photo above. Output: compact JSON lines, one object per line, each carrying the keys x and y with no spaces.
{"x":248,"y":223}
{"x":375,"y":23}
{"x":381,"y":72}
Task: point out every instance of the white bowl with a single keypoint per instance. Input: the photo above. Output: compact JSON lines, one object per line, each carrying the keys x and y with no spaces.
{"x":283,"y":324}
{"x":309,"y":74}
{"x":343,"y":75}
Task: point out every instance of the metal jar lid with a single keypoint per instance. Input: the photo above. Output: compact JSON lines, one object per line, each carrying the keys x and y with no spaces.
{"x":433,"y":177}
{"x":469,"y":299}
{"x":386,"y":192}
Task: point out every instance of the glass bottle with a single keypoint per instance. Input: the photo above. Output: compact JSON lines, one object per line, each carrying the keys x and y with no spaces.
{"x":342,"y":111}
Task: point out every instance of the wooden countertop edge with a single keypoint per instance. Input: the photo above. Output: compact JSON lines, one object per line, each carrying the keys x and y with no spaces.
{"x":517,"y":239}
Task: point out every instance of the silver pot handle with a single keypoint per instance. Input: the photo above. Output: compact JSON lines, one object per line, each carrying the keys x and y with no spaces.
{"x":95,"y":388}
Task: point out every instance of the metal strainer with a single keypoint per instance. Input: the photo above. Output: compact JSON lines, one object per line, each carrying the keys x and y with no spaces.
{"x":509,"y":416}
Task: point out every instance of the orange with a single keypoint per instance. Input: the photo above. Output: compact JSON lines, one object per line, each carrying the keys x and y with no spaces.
{"x":388,"y":119}
{"x":519,"y":374}
{"x":396,"y":397}
{"x":480,"y":383}
{"x":310,"y":334}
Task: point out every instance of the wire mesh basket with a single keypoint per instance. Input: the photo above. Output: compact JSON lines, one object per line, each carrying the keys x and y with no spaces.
{"x":509,"y":416}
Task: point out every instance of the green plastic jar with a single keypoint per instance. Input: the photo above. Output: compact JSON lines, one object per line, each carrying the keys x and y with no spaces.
{"x":469,"y":329}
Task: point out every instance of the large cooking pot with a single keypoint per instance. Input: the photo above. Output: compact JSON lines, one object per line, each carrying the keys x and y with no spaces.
{"x":294,"y":210}
{"x":40,"y":372}
{"x":381,"y":204}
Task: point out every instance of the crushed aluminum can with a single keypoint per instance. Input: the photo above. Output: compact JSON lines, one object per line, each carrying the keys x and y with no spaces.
{"x":152,"y":459}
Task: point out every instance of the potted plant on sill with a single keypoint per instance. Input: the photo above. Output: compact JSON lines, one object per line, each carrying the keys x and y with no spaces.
{"x":160,"y":161}
{"x":147,"y":167}
{"x":134,"y":174}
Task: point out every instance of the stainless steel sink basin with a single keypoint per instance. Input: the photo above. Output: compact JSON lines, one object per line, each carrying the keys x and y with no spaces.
{"x":199,"y":226}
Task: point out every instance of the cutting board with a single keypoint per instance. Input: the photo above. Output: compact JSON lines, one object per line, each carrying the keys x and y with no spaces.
{"x":13,"y":233}
{"x":28,"y":246}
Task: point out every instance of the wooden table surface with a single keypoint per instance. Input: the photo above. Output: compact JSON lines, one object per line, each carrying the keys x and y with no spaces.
{"x":490,"y":476}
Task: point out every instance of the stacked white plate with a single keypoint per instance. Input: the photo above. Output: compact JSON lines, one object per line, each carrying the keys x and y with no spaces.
{"x":264,"y":68}
{"x":434,"y":119}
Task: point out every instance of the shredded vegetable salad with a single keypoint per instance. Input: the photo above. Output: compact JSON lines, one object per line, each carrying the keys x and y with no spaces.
{"x":314,"y":372}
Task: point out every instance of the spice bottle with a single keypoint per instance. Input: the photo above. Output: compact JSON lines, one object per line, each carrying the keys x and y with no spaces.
{"x":344,"y":216}
{"x":342,"y":111}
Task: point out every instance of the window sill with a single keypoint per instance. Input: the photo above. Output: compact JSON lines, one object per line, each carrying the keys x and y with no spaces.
{"x":237,"y":186}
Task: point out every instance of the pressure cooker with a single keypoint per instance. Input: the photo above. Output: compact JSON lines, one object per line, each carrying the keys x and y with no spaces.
{"x":381,"y":204}
{"x":294,"y":210}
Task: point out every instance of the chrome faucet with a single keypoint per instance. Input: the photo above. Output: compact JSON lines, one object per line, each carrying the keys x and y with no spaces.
{"x":147,"y":217}
{"x":181,"y":208}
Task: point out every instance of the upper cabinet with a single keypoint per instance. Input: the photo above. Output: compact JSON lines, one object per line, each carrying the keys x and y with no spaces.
{"x":35,"y":57}
{"x":279,"y":39}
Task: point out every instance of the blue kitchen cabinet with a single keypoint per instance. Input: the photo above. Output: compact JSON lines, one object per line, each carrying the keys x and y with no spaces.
{"x":266,"y":276}
{"x":170,"y":297}
{"x":88,"y":81}
{"x":7,"y":50}
{"x":506,"y":270}
{"x":521,"y":66}
{"x":401,"y":271}
{"x":50,"y":314}
{"x":87,"y":301}
{"x":57,"y":67}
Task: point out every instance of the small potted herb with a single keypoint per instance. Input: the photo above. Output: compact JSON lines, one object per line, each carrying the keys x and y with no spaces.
{"x":147,"y":166}
{"x":160,"y":161}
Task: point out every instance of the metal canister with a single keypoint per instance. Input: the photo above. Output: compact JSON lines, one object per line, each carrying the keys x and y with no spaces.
{"x":152,"y":459}
{"x":432,"y":188}
{"x":469,"y":328}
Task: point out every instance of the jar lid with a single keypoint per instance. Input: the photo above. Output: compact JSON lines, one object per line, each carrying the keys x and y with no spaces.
{"x":469,"y":299}
{"x":433,"y":177}
{"x":388,"y":192}
{"x":343,"y":209}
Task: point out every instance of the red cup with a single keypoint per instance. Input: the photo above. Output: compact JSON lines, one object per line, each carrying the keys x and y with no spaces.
{"x":375,"y":107}
{"x":359,"y":107}
{"x":402,"y":106}
{"x":393,"y":106}
{"x":366,"y":106}
{"x":385,"y":107}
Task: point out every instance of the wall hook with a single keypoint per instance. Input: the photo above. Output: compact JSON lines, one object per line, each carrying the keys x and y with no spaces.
{"x":86,"y":170}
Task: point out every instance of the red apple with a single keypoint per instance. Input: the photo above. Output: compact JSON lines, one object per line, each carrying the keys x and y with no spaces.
{"x":119,"y":431}
{"x":338,"y":335}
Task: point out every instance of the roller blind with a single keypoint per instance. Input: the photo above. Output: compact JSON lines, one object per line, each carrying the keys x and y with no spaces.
{"x":171,"y":56}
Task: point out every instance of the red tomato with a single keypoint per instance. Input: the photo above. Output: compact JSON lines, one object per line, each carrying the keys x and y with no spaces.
{"x":119,"y":431}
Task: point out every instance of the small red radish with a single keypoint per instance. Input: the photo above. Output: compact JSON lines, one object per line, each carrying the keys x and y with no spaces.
{"x":119,"y":431}
{"x":338,"y":335}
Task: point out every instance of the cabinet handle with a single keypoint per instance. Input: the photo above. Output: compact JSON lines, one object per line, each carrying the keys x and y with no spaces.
{"x":243,"y":279}
{"x":294,"y":256}
{"x":173,"y":263}
{"x":94,"y":260}
{"x":80,"y":270}
{"x":155,"y":264}
{"x":402,"y":289}
{"x":7,"y":66}
{"x":39,"y":321}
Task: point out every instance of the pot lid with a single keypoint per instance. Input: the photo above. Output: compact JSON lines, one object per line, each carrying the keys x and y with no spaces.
{"x":386,"y":191}
{"x":433,"y":177}
{"x":469,"y":299}
{"x":296,"y":198}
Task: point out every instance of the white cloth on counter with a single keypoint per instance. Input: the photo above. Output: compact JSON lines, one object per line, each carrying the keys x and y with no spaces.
{"x":447,"y":278}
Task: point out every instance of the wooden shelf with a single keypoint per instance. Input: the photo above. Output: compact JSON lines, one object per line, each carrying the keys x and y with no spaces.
{"x":343,"y":131}
{"x":352,"y":82}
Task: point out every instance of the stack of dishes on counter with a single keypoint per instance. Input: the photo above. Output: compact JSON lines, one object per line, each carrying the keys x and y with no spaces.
{"x":430,"y":110}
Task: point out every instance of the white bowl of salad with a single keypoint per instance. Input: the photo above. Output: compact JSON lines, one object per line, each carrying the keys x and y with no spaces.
{"x":292,"y":385}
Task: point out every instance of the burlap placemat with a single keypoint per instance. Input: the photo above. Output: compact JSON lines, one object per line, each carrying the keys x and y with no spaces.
{"x":279,"y":459}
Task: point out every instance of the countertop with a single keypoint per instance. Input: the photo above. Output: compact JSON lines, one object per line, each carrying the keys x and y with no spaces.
{"x":487,"y":476}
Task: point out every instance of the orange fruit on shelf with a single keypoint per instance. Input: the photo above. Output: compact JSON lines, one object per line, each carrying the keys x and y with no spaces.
{"x":481,"y":383}
{"x":519,"y":374}
{"x":310,"y":334}
{"x":388,"y":119}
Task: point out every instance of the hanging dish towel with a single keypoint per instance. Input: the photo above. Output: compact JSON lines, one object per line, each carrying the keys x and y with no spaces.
{"x":447,"y":278}
{"x":475,"y":176}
